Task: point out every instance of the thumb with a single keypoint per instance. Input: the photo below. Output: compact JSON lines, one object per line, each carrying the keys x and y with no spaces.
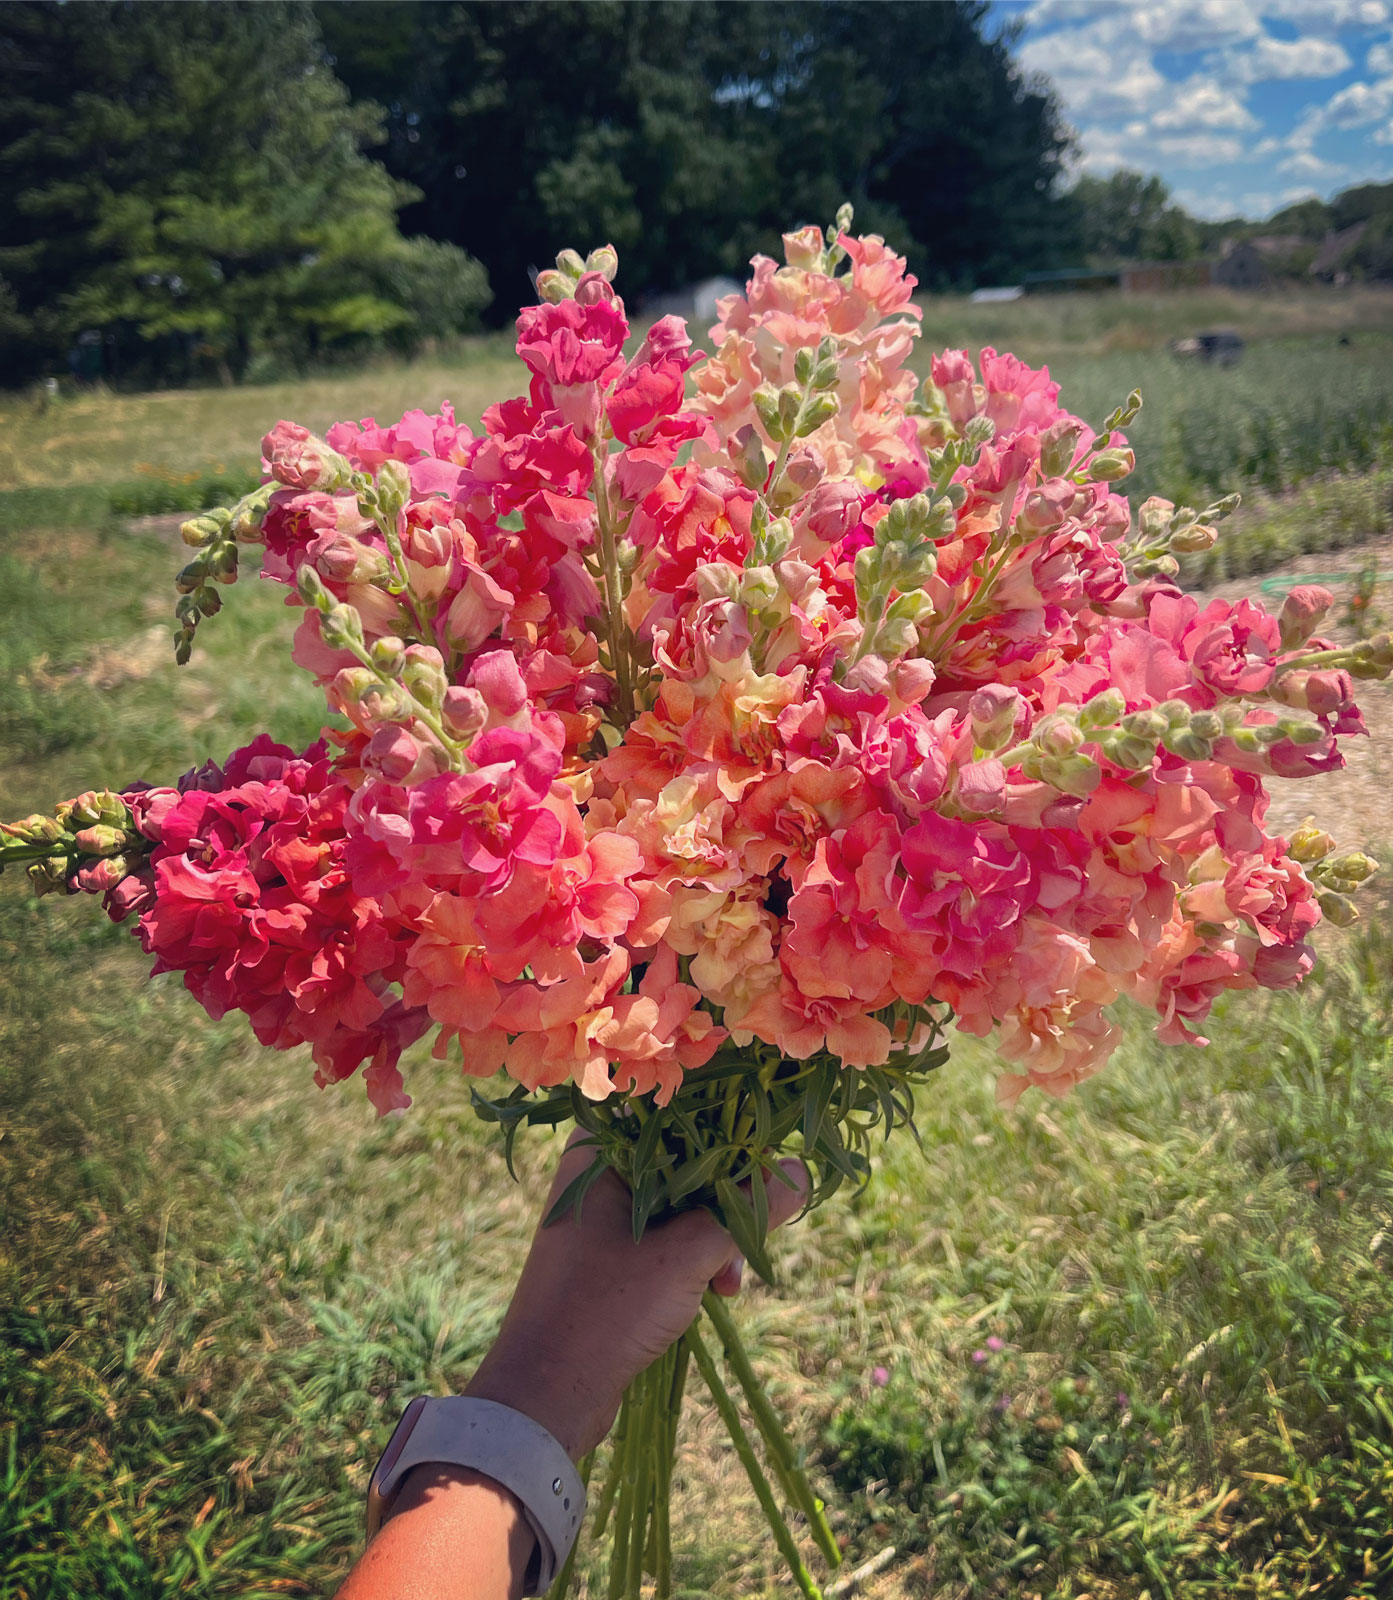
{"x":788,"y":1199}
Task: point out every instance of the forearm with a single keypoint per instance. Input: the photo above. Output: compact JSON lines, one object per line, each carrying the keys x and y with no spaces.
{"x":452,"y":1535}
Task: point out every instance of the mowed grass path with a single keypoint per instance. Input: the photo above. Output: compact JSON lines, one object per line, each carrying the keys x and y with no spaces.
{"x":219,"y":1286}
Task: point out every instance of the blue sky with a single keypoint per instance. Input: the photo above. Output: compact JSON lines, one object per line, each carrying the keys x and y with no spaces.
{"x":1242,"y":106}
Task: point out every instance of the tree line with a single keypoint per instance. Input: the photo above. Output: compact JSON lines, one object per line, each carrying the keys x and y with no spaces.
{"x":192,"y":191}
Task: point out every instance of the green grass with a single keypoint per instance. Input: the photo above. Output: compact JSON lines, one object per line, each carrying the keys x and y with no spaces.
{"x":219,"y":1286}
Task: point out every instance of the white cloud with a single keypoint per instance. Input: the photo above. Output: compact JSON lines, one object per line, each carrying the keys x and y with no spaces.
{"x":1384,"y":135}
{"x":1306,"y":164}
{"x":1328,"y":16}
{"x":1198,"y":149}
{"x":1097,"y":70}
{"x":1270,"y":59}
{"x":1203,"y":103}
{"x":1379,"y":61}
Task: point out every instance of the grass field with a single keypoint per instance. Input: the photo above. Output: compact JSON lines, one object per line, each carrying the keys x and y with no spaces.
{"x":218,"y":1286}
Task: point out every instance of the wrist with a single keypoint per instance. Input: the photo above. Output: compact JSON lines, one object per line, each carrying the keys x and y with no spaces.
{"x":574,"y":1408}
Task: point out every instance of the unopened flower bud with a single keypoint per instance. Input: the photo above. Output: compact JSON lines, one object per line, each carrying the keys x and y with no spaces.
{"x":1337,"y":908}
{"x":749,"y":457}
{"x":1194,"y":539}
{"x":1154,"y":518}
{"x":1145,"y":725}
{"x":46,"y":876}
{"x":570,"y":263}
{"x":1207,"y":725}
{"x":1302,"y":733}
{"x":341,"y":627}
{"x":605,"y":261}
{"x":393,"y":484}
{"x":300,"y":459}
{"x":311,"y":590}
{"x":423,"y":673}
{"x":249,"y":514}
{"x":199,"y":531}
{"x":1350,"y":869}
{"x":465,"y":711}
{"x":1189,"y":746}
{"x":207,"y":599}
{"x":34,"y":829}
{"x":1128,"y":751}
{"x":1057,"y":737}
{"x":821,"y":408}
{"x":393,"y":754}
{"x":758,"y":588}
{"x":1103,"y":710}
{"x":99,"y":877}
{"x":1107,"y":466}
{"x":190,"y":577}
{"x":1309,"y":844}
{"x":553,"y":287}
{"x":388,"y":655}
{"x":1058,"y":445}
{"x":1302,"y":612}
{"x":994,"y":709}
{"x":765,"y":400}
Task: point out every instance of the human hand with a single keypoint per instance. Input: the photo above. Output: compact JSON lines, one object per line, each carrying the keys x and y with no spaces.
{"x":592,"y":1309}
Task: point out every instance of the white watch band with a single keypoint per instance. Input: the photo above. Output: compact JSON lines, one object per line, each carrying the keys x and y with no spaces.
{"x":500,"y":1443}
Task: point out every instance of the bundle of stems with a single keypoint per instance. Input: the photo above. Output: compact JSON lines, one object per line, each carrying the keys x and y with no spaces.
{"x":635,"y":1503}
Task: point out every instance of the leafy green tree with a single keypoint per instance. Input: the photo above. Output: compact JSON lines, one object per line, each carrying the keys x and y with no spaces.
{"x":188,"y":182}
{"x":1129,"y":217}
{"x":689,"y":134}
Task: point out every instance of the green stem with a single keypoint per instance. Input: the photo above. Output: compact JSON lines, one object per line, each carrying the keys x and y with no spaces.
{"x":640,"y":1488}
{"x":781,"y":1452}
{"x":614,"y":593}
{"x":562,"y":1587}
{"x":741,"y":1440}
{"x":605,"y":1503}
{"x":624,"y":1504}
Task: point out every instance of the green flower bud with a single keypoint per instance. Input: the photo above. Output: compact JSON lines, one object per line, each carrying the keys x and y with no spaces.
{"x":199,"y":531}
{"x":827,"y":373}
{"x":605,"y":261}
{"x":1192,"y":540}
{"x":222,"y":562}
{"x":765,"y":400}
{"x":1103,"y":710}
{"x":190,"y":577}
{"x":1351,"y":868}
{"x":569,"y":263}
{"x":1309,"y":844}
{"x":1154,"y":518}
{"x":553,"y":287}
{"x":388,"y":655}
{"x":341,"y":627}
{"x":1145,"y":725}
{"x":1107,"y":466}
{"x":1337,"y":908}
{"x":1189,"y":746}
{"x":208,"y":600}
{"x":821,"y":408}
{"x":310,"y":587}
{"x":186,"y":610}
{"x":804,"y":360}
{"x":1302,"y":733}
{"x":249,"y":514}
{"x":1207,"y":725}
{"x":393,"y":486}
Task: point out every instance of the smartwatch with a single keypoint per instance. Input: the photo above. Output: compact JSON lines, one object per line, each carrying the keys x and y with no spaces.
{"x":499,"y":1443}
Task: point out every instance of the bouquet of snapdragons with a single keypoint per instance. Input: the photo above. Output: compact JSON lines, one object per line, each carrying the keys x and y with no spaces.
{"x":711,"y":732}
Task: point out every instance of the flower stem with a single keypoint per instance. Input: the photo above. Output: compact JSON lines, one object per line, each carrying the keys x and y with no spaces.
{"x":614,"y":594}
{"x":793,"y":1479}
{"x":743,"y":1448}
